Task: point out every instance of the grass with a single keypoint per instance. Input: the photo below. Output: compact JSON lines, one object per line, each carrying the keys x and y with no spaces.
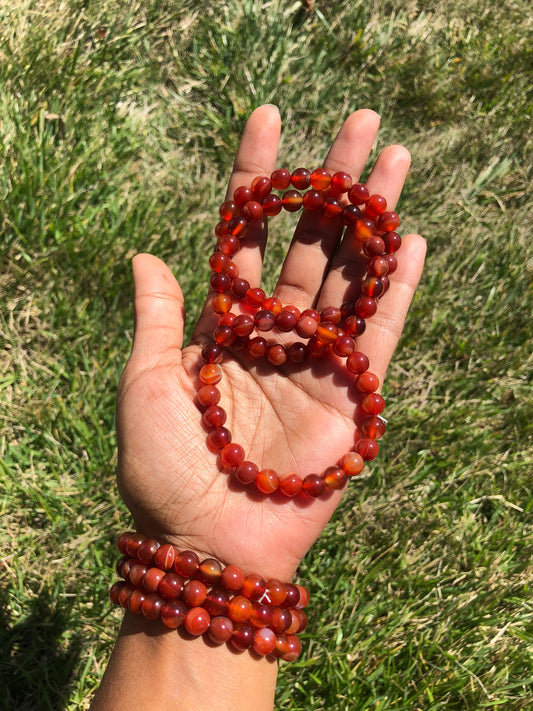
{"x":117,"y":124}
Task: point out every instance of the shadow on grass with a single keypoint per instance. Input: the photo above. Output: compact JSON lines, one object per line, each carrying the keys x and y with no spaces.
{"x":38,"y":655}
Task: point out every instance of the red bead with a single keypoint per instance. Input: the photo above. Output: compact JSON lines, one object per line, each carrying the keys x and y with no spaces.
{"x":219,"y":437}
{"x":326,"y":333}
{"x":228,"y":244}
{"x":352,"y":463}
{"x":358,"y":194}
{"x":216,"y":602}
{"x":388,"y":221}
{"x":292,"y":200}
{"x":124,"y":595}
{"x":137,"y":573}
{"x":239,"y":609}
{"x":355,"y":325}
{"x":286,"y":320}
{"x":306,"y":326}
{"x":261,"y":615}
{"x":367,"y":382}
{"x":136,"y":600}
{"x":225,"y":320}
{"x":375,"y":205}
{"x":147,"y":550}
{"x":282,"y":645}
{"x":341,"y":182}
{"x":186,"y":563}
{"x":257,"y":348}
{"x":321,"y":178}
{"x":281,"y":619}
{"x":208,"y":395}
{"x":367,"y":448}
{"x":301,"y":178}
{"x":364,"y":229}
{"x":219,"y":282}
{"x":365,"y":307}
{"x":164,"y":557}
{"x":264,"y":320}
{"x":132,"y":543}
{"x":194,"y":593}
{"x":292,"y":595}
{"x":373,"y":404}
{"x":227,"y":210}
{"x":232,"y":455}
{"x":373,"y":246}
{"x":294,"y":649}
{"x":392,"y":262}
{"x":212,"y":353}
{"x":377,"y":266}
{"x":350,"y":215}
{"x":313,"y":313}
{"x":152,"y":578}
{"x":221,"y":303}
{"x":197,"y":621}
{"x":335,"y":478}
{"x":272,"y":205}
{"x":331,"y":314}
{"x":272,"y":304}
{"x":221,"y":229}
{"x":295,"y":623}
{"x":115,"y":590}
{"x":264,"y":641}
{"x":255,"y":297}
{"x":224,"y":335}
{"x":291,"y":485}
{"x":393,"y":242}
{"x":304,"y":597}
{"x":332,"y":208}
{"x":357,"y":362}
{"x":276,"y":592}
{"x":214,"y":416}
{"x":123,"y":540}
{"x":315,"y":348}
{"x":267,"y":481}
{"x":373,"y":426}
{"x":243,"y":325}
{"x":254,"y":587}
{"x":277,"y":355}
{"x":173,"y":613}
{"x":372,"y":286}
{"x":209,"y":571}
{"x":281,"y":179}
{"x":232,"y":578}
{"x":242,"y":195}
{"x":243,"y":636}
{"x":246,"y":472}
{"x":151,"y":606}
{"x":344,"y":345}
{"x":313,"y":485}
{"x":297,"y":352}
{"x":220,"y":630}
{"x":239,"y":287}
{"x":171,"y":586}
{"x":252,"y":211}
{"x":313,"y":200}
{"x":261,"y":187}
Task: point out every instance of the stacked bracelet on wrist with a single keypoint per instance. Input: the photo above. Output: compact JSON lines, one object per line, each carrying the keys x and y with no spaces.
{"x":205,"y":597}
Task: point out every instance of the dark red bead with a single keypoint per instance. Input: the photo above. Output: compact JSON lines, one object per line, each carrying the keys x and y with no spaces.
{"x":254,"y":586}
{"x":373,"y":426}
{"x":227,"y":210}
{"x":232,"y":578}
{"x":152,"y":578}
{"x":286,"y":320}
{"x":375,"y":205}
{"x":214,"y":416}
{"x":357,"y":362}
{"x":393,"y":242}
{"x":301,"y":178}
{"x":239,"y":288}
{"x":372,"y":286}
{"x":272,"y":205}
{"x":377,"y":266}
{"x":219,"y":282}
{"x":292,"y":595}
{"x":264,"y":641}
{"x":147,"y":550}
{"x":208,"y":395}
{"x":212,"y":353}
{"x":243,"y":325}
{"x":219,"y":437}
{"x":136,"y":600}
{"x":151,"y":606}
{"x":281,"y":619}
{"x":355,"y":325}
{"x":224,"y":335}
{"x":373,"y":246}
{"x":216,"y":602}
{"x":344,"y":345}
{"x":358,"y":194}
{"x":255,"y":297}
{"x":275,"y":593}
{"x":313,"y":200}
{"x":243,"y":636}
{"x":173,"y":613}
{"x":280,"y":179}
{"x":246,"y":472}
{"x":257,"y":348}
{"x":277,"y":355}
{"x":313,"y":485}
{"x":132,"y":544}
{"x":261,"y":187}
{"x":367,"y":448}
{"x":261,"y":615}
{"x":294,"y":648}
{"x":197,"y":621}
{"x":186,"y":563}
{"x":335,"y":478}
{"x":332,"y":208}
{"x":388,"y":221}
{"x":194,"y":593}
{"x":292,"y":200}
{"x":252,"y":211}
{"x":232,"y":455}
{"x":365,"y":307}
{"x":242,"y":195}
{"x":228,"y":244}
{"x":297,"y":352}
{"x":350,"y":215}
{"x":219,"y":262}
{"x":392,"y":262}
{"x":220,"y":630}
{"x":114,"y":591}
{"x":171,"y":586}
{"x":264,"y":320}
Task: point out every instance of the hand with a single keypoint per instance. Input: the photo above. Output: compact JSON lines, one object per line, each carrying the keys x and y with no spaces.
{"x":298,"y":420}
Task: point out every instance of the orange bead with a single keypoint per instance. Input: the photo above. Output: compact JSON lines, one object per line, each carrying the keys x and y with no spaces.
{"x":352,"y":463}
{"x":221,"y":303}
{"x":210,"y":374}
{"x":197,"y":621}
{"x":267,"y":481}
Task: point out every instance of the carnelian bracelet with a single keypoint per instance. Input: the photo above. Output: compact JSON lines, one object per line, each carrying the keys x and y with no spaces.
{"x":207,"y":598}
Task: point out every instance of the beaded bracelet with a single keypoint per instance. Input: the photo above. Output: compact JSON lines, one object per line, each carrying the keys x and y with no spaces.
{"x":220,"y":602}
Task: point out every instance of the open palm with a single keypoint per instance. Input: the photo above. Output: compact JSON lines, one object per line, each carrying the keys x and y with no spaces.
{"x":299,"y":419}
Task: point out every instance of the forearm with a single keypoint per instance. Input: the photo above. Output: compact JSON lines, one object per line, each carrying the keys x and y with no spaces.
{"x":156,"y":668}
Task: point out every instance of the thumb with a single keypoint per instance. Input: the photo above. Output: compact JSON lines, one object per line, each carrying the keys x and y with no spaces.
{"x":159,"y":313}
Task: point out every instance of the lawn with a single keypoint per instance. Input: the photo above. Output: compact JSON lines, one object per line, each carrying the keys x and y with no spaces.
{"x":118,"y":124}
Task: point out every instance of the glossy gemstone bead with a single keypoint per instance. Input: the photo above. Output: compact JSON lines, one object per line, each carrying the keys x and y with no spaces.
{"x":210,"y":374}
{"x":228,"y":244}
{"x":173,"y":614}
{"x":232,"y":455}
{"x":375,"y":205}
{"x":171,"y":586}
{"x":151,"y":606}
{"x":227,"y":210}
{"x":350,"y":215}
{"x":294,"y":648}
{"x":304,"y":597}
{"x":292,"y":200}
{"x":267,"y":481}
{"x":261,"y":187}
{"x":364,"y":229}
{"x":152,"y":578}
{"x":367,"y":448}
{"x":290,"y":485}
{"x":272,"y":205}
{"x":277,"y":355}
{"x":295,"y":623}
{"x":239,"y":609}
{"x":221,"y":229}
{"x":261,"y":615}
{"x":224,"y":335}
{"x":326,"y":333}
{"x":367,"y":382}
{"x":373,"y":426}
{"x":331,"y":314}
{"x":372,"y":286}
{"x":332,"y":208}
{"x":275,"y":592}
{"x":257,"y":348}
{"x":315,"y":348}
{"x":306,"y":326}
{"x":313,"y":200}
{"x":118,"y":565}
{"x":264,"y":641}
{"x":254,"y":586}
{"x":388,"y":221}
{"x":243,"y":636}
{"x":221,"y":303}
{"x":214,"y":416}
{"x":220,"y":630}
{"x":357,"y":362}
{"x":373,"y":404}
{"x":164,"y":556}
{"x":313,"y":485}
{"x":137,"y":573}
{"x":286,"y":320}
{"x":219,"y":282}
{"x":255,"y":297}
{"x":335,"y":478}
{"x":264,"y":320}
{"x":252,"y":211}
{"x":301,"y":178}
{"x":377,"y":266}
{"x":212,"y":353}
{"x":208,"y":395}
{"x":216,"y":602}
{"x":365,"y":307}
{"x":374,"y":246}
{"x":136,"y":600}
{"x":197,"y":621}
{"x":272,"y":304}
{"x":242,"y":195}
{"x":243,"y":325}
{"x":297,"y":352}
{"x":280,"y":179}
{"x":194,"y":593}
{"x":358,"y":194}
{"x":186,"y":563}
{"x":393,"y":242}
{"x":218,"y":438}
{"x":341,"y":182}
{"x":209,"y":571}
{"x":344,"y":345}
{"x":292,"y":595}
{"x":124,"y":595}
{"x":282,"y":645}
{"x":320,"y":178}
{"x":355,"y":325}
{"x":219,"y":262}
{"x":352,"y":463}
{"x":123,"y":540}
{"x":281,"y":619}
{"x":392,"y":261}
{"x":232,"y":578}
{"x":147,"y":550}
{"x":239,"y":287}
{"x":246,"y":472}
{"x":313,"y":313}
{"x":114,"y":591}
{"x":226,"y":320}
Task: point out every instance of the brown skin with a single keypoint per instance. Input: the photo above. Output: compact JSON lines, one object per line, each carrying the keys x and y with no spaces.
{"x":301,"y":420}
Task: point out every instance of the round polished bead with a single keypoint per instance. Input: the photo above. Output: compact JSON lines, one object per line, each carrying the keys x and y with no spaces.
{"x":358,"y":194}
{"x":297,"y":352}
{"x":136,"y":600}
{"x":173,"y":614}
{"x":267,"y":481}
{"x":341,"y":182}
{"x":272,"y":304}
{"x":239,"y":609}
{"x":281,"y":619}
{"x":365,"y":307}
{"x":243,"y":636}
{"x":367,"y":448}
{"x":252,"y":211}
{"x":257,"y":347}
{"x":210,"y":374}
{"x":186,"y":563}
{"x":392,"y":261}
{"x":147,"y":550}
{"x":214,"y":416}
{"x":264,"y":320}
{"x":124,"y":595}
{"x":374,"y":246}
{"x":350,"y":215}
{"x":209,"y":571}
{"x":301,"y":178}
{"x":243,"y":325}
{"x":315,"y":348}
{"x":272,"y":205}
{"x":152,"y":578}
{"x":228,"y":244}
{"x":123,"y":541}
{"x":221,"y":229}
{"x":224,"y":335}
{"x":352,"y":463}
{"x":355,"y":325}
{"x":294,"y":649}
{"x":164,"y":556}
{"x":246,"y":472}
{"x":227,"y":210}
{"x":304,"y":597}
{"x":277,"y":355}
{"x":171,"y":586}
{"x":281,"y":179}
{"x":292,"y":201}
{"x":313,"y":200}
{"x":295,"y":623}
{"x":118,"y":565}
{"x":255,"y":297}
{"x":197,"y":621}
{"x":220,"y":630}
{"x":372,"y":286}
{"x":377,"y":266}
{"x":221,"y":303}
{"x":275,"y":592}
{"x":226,"y":320}
{"x":232,"y":578}
{"x":282,"y":645}
{"x":364,"y":229}
{"x":137,"y":573}
{"x":306,"y":326}
{"x":388,"y":221}
{"x":326,"y":333}
{"x":216,"y":602}
{"x":212,"y":353}
{"x":335,"y":478}
{"x":313,"y":485}
{"x":242,"y":195}
{"x":261,"y":187}
{"x":261,"y":615}
{"x":286,"y":320}
{"x":367,"y":382}
{"x":373,"y":426}
{"x":114,"y":591}
{"x":218,"y":438}
{"x":151,"y":606}
{"x":373,"y":404}
{"x":313,"y":313}
{"x":219,"y":282}
{"x":125,"y":567}
{"x":292,"y":595}
{"x":393,"y":242}
{"x":320,"y":178}
{"x":239,"y":287}
{"x":332,"y":208}
{"x":344,"y":345}
{"x":208,"y":395}
{"x":232,"y":455}
{"x":357,"y":362}
{"x":290,"y":485}
{"x":194,"y":593}
{"x":264,"y":641}
{"x":375,"y":206}
{"x":331,"y":314}
{"x":254,"y":586}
